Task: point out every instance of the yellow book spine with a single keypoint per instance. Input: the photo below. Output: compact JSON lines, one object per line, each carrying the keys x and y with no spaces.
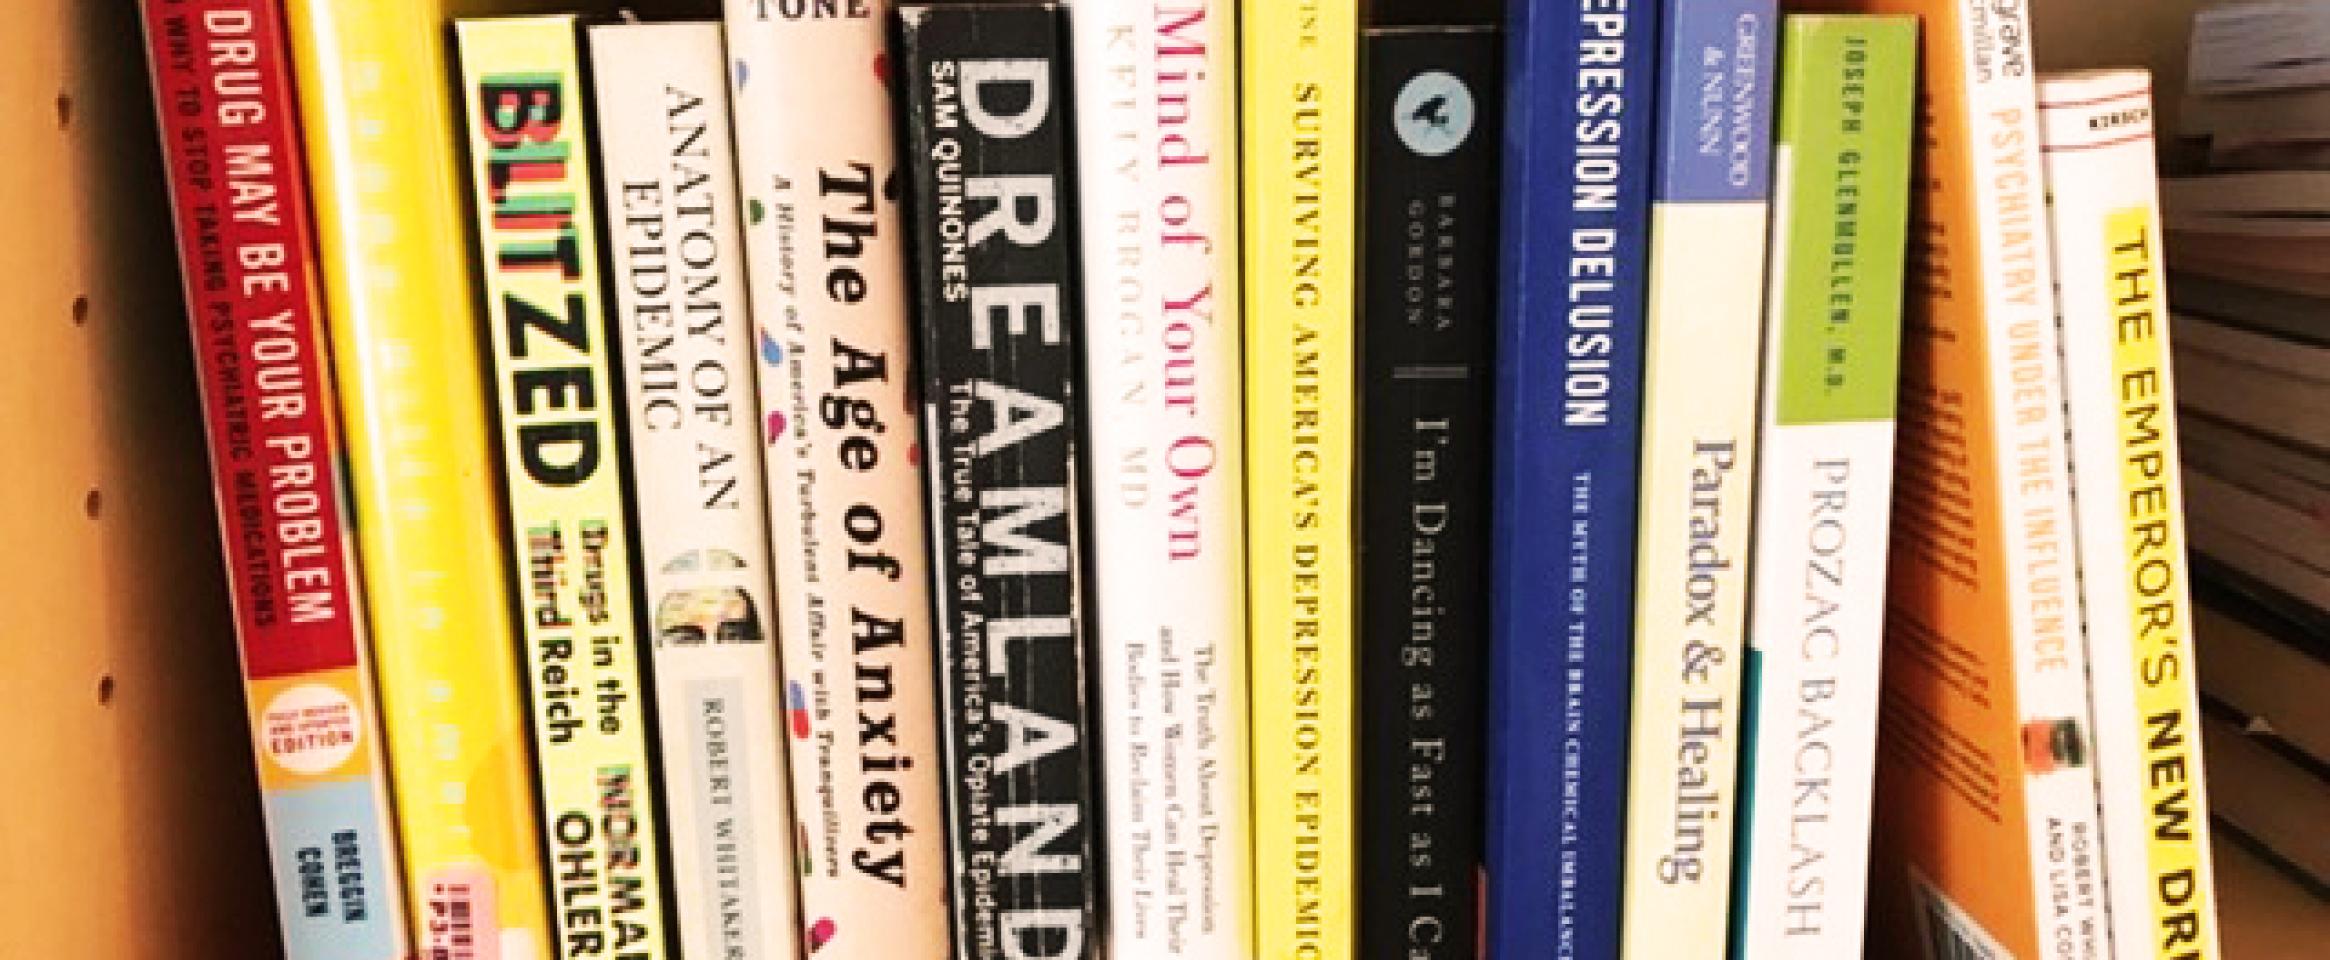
{"x":384,"y":172}
{"x":2179,"y":885}
{"x":545,"y":314}
{"x":1300,"y":84}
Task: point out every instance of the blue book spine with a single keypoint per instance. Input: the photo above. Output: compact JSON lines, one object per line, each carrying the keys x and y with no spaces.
{"x":1717,"y":80}
{"x":1581,"y":99}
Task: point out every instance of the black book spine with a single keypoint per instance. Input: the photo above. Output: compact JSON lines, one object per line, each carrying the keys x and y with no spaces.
{"x":986,"y":129}
{"x":1428,"y":222}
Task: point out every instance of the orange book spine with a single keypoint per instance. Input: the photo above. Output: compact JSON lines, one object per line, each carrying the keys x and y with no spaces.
{"x":1988,"y":834}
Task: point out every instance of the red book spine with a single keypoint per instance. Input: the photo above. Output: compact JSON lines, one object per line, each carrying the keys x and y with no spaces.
{"x":246,"y":235}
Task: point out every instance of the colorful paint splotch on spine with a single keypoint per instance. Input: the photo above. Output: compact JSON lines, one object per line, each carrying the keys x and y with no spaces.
{"x":835,"y":345}
{"x":222,"y":77}
{"x":562,"y":469}
{"x":987,"y":95}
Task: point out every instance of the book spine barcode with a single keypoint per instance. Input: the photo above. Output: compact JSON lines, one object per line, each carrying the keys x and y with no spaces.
{"x":1943,"y":929}
{"x":1946,"y":941}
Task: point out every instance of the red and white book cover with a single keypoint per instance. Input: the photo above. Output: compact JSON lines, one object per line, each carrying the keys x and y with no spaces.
{"x":246,"y":239}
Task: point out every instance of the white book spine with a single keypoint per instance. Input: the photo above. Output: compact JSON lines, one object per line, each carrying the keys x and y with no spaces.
{"x":1698,"y":483}
{"x":821,"y":181}
{"x":685,"y":339}
{"x":1702,"y":366}
{"x":2041,"y":578}
{"x":1157,"y":159}
{"x":1819,"y":620}
{"x":1824,"y":483}
{"x":2111,"y":297}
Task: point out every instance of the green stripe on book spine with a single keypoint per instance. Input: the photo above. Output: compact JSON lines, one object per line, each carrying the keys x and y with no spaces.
{"x":1840,"y":305}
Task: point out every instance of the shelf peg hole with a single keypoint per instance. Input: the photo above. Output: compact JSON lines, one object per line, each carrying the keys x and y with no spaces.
{"x":93,"y":503}
{"x":80,"y":311}
{"x":64,"y":110}
{"x":105,"y":689}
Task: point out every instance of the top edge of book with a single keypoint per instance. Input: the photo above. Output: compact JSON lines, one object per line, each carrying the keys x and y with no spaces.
{"x":914,"y":13}
{"x":1462,"y":28}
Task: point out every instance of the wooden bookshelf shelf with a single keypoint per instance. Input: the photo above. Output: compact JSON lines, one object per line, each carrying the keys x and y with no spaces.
{"x":128,"y":810}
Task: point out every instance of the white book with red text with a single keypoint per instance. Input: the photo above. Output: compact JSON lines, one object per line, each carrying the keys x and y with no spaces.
{"x":1157,"y":154}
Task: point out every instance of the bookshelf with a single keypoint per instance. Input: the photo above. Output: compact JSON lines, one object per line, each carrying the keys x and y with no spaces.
{"x":130,"y":814}
{"x":128,"y":811}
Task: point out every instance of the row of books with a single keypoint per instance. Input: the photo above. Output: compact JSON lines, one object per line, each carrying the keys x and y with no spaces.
{"x":987,"y":479}
{"x":2254,"y":353}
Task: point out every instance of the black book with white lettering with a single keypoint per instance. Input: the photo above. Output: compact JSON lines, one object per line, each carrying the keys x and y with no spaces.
{"x":1428,"y":223}
{"x":988,"y":149}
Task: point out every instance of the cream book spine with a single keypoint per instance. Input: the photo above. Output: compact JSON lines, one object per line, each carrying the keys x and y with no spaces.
{"x":822,"y":184}
{"x":1710,"y":212}
{"x":1157,"y":139}
{"x":685,"y":344}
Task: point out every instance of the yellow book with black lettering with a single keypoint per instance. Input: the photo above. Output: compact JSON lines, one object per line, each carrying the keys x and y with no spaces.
{"x":545,"y":317}
{"x":1300,"y":81}
{"x":385,"y":174}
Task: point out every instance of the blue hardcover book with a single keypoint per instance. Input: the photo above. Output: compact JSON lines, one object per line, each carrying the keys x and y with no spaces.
{"x":1581,"y":98}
